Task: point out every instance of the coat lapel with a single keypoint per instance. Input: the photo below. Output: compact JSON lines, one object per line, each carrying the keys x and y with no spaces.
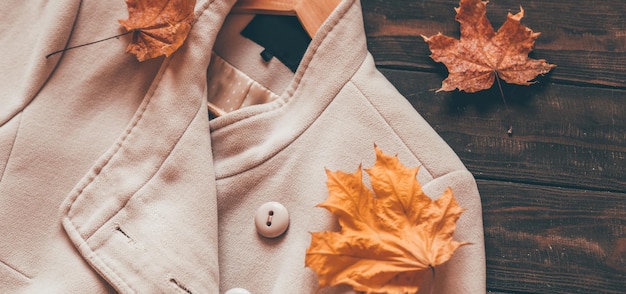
{"x":145,"y":215}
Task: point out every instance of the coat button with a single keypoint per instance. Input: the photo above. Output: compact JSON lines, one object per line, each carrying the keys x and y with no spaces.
{"x":237,"y":291}
{"x":271,"y":220}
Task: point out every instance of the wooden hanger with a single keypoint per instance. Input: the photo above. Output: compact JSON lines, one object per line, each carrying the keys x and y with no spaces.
{"x":311,"y":13}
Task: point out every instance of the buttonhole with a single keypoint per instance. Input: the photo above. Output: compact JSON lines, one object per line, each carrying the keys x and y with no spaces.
{"x":179,"y":285}
{"x":117,"y":228}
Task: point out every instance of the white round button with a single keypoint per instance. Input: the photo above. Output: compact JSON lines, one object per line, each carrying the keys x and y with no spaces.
{"x":271,"y":219}
{"x":237,"y":291}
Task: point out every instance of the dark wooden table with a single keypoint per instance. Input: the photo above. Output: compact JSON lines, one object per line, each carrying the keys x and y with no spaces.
{"x":553,"y":193}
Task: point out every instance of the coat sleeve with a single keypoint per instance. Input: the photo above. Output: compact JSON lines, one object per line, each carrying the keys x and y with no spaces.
{"x":465,"y":271}
{"x":440,"y":168}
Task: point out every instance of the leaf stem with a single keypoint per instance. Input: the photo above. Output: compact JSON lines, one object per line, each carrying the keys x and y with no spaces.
{"x":86,"y":44}
{"x":500,"y":87}
{"x":506,"y":107}
{"x":432,"y":282}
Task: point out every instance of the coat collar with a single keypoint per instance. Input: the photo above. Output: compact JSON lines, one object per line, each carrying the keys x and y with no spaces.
{"x":332,"y":58}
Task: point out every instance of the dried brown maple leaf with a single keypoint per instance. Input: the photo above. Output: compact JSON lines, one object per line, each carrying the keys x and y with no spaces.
{"x":159,"y":27}
{"x":387,"y":243}
{"x":474,"y":61}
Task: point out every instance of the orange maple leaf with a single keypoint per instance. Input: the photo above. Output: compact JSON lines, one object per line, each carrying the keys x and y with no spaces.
{"x":387,"y":243}
{"x":159,"y":26}
{"x":481,"y":54}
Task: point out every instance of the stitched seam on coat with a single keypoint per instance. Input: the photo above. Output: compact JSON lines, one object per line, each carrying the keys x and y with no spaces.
{"x":96,"y":170}
{"x":6,"y":164}
{"x":392,"y":127}
{"x":101,"y":259}
{"x":160,"y":166}
{"x":119,"y":146}
{"x":110,"y":271}
{"x":138,"y":116}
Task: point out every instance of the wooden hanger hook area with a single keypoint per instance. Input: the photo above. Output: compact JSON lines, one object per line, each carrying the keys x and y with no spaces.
{"x":311,"y":13}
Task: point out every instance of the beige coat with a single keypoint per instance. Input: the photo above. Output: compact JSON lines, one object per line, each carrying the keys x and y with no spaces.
{"x":113,"y":178}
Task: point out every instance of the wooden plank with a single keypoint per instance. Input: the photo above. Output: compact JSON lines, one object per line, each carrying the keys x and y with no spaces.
{"x":553,"y":240}
{"x":586,"y":41}
{"x":564,"y":135}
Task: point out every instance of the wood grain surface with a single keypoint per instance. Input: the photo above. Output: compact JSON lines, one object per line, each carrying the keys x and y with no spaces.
{"x":586,"y":39}
{"x":544,"y":239}
{"x":553,"y":192}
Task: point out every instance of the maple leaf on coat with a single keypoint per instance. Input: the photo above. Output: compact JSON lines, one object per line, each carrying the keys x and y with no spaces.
{"x":159,"y":26}
{"x":389,"y":242}
{"x":474,"y":61}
